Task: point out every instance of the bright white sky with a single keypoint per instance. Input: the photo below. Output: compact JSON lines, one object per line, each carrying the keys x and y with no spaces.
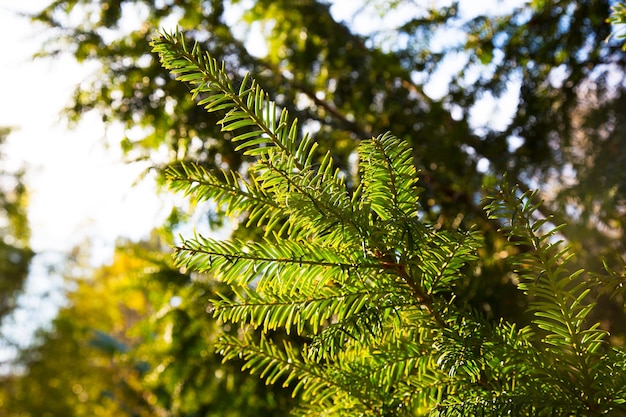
{"x":78,"y":190}
{"x":80,"y":194}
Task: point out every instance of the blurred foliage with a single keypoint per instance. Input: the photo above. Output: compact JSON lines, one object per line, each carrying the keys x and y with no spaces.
{"x":15,"y":253}
{"x":134,"y":340}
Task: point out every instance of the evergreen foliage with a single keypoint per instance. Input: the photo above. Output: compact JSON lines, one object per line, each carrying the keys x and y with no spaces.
{"x":349,"y":298}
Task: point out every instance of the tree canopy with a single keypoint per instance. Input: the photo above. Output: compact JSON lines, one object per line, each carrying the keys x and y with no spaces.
{"x":15,"y":252}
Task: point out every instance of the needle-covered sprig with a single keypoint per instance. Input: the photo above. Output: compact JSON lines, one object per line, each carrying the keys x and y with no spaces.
{"x":349,"y":299}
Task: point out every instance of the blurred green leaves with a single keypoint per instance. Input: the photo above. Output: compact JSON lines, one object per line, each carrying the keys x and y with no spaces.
{"x":15,"y":252}
{"x":122,"y":346}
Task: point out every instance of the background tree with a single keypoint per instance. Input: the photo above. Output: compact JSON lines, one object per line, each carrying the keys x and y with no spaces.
{"x":134,"y":340}
{"x":15,"y":253}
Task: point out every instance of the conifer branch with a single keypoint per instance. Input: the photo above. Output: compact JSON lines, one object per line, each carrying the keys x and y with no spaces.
{"x":372,"y":287}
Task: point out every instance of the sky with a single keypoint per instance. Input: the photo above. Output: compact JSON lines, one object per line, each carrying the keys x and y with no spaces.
{"x":79,"y":186}
{"x":81,"y":192}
